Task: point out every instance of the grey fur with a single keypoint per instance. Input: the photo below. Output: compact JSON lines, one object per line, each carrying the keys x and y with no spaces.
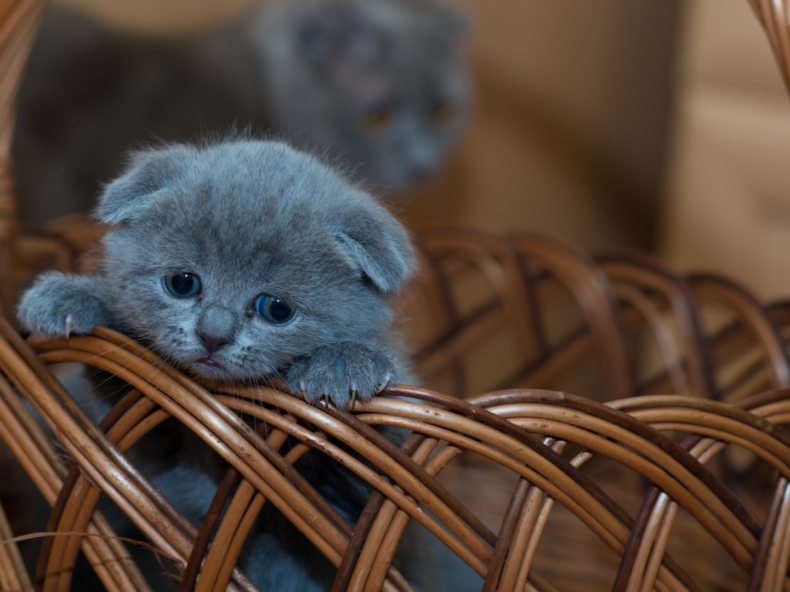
{"x":248,"y":218}
{"x":54,"y":296}
{"x":304,"y":70}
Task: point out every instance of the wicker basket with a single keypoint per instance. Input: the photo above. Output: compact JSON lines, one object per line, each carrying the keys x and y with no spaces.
{"x":487,"y":314}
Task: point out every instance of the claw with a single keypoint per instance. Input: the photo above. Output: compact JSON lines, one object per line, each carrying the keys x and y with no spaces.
{"x":353,"y":398}
{"x":69,"y":325}
{"x":302,"y":386}
{"x":387,"y":380}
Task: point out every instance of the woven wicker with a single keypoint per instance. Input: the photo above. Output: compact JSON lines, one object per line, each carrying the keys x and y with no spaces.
{"x":488,"y":313}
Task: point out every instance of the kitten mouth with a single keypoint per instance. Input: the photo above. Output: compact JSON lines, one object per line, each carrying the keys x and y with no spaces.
{"x":209,"y":361}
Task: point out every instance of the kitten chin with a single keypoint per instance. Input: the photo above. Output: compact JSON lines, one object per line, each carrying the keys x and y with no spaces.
{"x":214,"y":369}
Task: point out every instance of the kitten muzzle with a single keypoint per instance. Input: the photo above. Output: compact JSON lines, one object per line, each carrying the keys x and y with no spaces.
{"x":211,"y":344}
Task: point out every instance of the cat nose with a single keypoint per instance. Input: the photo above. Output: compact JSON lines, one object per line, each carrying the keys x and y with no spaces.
{"x":419,"y":173}
{"x":212,"y":343}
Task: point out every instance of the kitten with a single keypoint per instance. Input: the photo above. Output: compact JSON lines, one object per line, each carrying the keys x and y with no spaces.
{"x":238,"y":261}
{"x":241,"y":260}
{"x":379,"y":85}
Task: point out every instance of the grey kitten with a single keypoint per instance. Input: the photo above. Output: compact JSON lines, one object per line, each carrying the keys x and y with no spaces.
{"x":238,"y":261}
{"x":378,"y":85}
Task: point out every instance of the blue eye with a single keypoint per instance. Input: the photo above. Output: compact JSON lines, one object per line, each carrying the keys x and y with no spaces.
{"x":182,"y":285}
{"x":273,"y":309}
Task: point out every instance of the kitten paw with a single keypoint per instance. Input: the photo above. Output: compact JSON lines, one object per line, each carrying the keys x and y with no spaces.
{"x":342,"y":372}
{"x":59,"y":304}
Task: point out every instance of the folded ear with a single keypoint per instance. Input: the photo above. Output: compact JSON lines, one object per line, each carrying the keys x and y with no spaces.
{"x":149,"y":172}
{"x":326,"y":32}
{"x":376,"y":244}
{"x":450,"y":20}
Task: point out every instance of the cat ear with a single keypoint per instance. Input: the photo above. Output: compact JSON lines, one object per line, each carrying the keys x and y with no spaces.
{"x":328,"y":30}
{"x":452,"y":22}
{"x":149,"y":172}
{"x":376,"y":244}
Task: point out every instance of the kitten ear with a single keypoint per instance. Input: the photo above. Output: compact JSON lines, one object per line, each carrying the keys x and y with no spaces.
{"x":333,"y":29}
{"x":376,"y":244}
{"x":149,"y":172}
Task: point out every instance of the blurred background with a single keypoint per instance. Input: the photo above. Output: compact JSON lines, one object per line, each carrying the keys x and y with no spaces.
{"x":660,"y":126}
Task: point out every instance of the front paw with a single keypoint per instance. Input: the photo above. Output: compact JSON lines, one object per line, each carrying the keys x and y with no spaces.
{"x":342,"y":372}
{"x":59,"y":304}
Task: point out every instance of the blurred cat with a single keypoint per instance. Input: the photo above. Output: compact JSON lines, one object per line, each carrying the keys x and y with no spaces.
{"x":379,"y":86}
{"x":238,"y":261}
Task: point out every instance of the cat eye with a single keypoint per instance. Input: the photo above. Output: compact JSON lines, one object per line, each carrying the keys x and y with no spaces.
{"x":182,"y":285}
{"x":274,"y":310}
{"x":442,"y":112}
{"x":377,"y":117}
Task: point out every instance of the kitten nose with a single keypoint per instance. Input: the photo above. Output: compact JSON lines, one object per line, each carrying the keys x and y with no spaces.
{"x":212,"y":343}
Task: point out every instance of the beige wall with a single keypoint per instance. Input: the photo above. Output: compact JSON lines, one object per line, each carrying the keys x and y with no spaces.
{"x":570,"y":129}
{"x":728,"y":206}
{"x":570,"y":132}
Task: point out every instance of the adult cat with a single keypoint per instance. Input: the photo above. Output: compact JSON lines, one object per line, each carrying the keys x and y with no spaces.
{"x":378,"y":86}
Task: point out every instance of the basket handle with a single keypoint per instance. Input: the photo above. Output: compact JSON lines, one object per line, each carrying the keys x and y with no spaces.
{"x":773,"y":16}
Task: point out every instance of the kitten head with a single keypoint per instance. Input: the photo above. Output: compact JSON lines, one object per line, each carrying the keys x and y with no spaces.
{"x":381,"y":84}
{"x":235,"y":259}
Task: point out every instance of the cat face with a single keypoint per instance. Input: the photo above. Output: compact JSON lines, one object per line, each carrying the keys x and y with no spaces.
{"x":379,"y":84}
{"x":235,"y":260}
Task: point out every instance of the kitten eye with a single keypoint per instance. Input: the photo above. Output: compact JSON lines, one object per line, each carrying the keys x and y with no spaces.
{"x":442,"y":112}
{"x":182,"y":285}
{"x":377,"y":117}
{"x":273,"y":309}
